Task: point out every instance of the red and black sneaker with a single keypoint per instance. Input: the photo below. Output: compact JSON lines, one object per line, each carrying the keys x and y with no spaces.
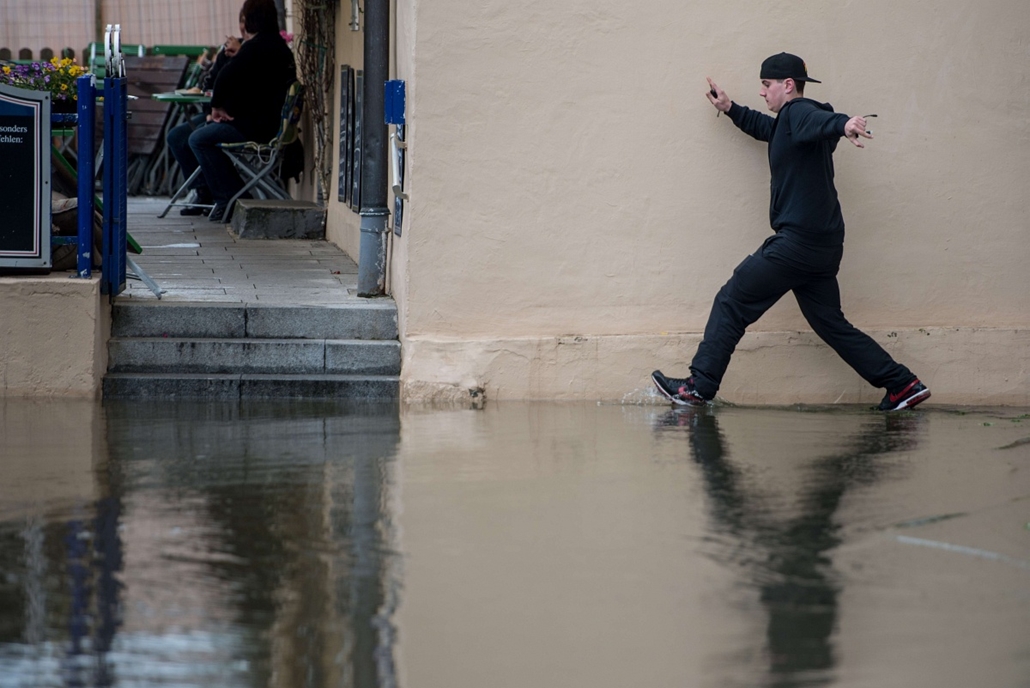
{"x":908,"y":396}
{"x":678,"y":390}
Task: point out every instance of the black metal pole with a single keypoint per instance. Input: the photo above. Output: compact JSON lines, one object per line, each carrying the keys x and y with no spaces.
{"x":374,"y":212}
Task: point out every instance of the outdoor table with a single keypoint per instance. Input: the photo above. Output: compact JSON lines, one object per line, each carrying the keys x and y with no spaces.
{"x":184,"y":106}
{"x":182,"y":98}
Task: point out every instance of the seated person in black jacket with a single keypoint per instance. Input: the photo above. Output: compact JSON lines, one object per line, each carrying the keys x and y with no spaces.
{"x":247,"y":101}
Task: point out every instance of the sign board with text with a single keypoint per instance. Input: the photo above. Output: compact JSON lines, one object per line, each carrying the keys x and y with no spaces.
{"x":24,"y":178}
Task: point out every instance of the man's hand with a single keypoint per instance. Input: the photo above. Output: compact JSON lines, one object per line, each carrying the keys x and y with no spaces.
{"x":720,"y":100}
{"x":220,"y":115}
{"x":856,"y":127}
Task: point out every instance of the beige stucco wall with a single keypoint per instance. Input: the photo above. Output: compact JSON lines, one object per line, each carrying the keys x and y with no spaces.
{"x":568,"y":178}
{"x":54,"y":333}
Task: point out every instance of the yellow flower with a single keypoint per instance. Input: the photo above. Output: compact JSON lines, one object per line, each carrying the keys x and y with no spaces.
{"x":7,"y":70}
{"x":64,"y":87}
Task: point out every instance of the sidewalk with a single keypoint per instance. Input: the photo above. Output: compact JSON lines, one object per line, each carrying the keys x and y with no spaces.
{"x":198,"y":261}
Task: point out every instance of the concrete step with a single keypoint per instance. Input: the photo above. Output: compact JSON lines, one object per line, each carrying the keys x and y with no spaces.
{"x":278,"y":219}
{"x":371,"y":319}
{"x":238,"y":387}
{"x":265,"y":356}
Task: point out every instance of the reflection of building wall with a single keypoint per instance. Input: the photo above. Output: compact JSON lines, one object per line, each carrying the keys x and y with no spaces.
{"x":555,"y":545}
{"x":274,"y":513}
{"x":310,"y":633}
{"x":54,"y":537}
{"x":713,"y":547}
{"x":170,"y":595}
{"x":213,"y":544}
{"x":958,"y":470}
{"x":49,"y":451}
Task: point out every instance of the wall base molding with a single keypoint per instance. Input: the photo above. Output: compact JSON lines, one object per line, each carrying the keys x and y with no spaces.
{"x":965,"y":366}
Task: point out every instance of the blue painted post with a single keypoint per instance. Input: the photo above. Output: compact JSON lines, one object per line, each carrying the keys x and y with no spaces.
{"x":115,"y":184}
{"x":394,"y":102}
{"x":87,"y":116}
{"x":394,"y":95}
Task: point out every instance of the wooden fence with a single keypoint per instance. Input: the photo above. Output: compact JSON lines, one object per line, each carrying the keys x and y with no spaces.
{"x":24,"y":54}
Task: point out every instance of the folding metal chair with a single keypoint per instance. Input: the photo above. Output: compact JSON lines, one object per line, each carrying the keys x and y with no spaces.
{"x":183,"y":192}
{"x":259,"y":163}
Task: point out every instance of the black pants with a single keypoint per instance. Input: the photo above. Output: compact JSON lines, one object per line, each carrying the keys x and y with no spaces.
{"x":755,"y":286}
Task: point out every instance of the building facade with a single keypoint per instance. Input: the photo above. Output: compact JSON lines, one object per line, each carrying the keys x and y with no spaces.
{"x":575,"y":202}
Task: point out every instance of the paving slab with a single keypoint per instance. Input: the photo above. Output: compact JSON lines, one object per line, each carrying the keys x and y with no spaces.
{"x":360,"y":319}
{"x":181,"y":252}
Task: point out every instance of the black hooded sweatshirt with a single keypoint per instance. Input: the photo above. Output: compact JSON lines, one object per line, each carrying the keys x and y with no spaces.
{"x":252,"y":86}
{"x":803,"y":207}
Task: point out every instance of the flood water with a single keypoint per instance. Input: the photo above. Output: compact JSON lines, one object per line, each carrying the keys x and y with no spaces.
{"x":523,"y":545}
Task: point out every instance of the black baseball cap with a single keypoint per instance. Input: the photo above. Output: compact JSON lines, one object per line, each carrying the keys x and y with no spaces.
{"x":785,"y":66}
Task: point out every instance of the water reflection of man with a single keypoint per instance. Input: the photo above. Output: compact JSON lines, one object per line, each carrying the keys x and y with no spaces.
{"x":792,"y":567}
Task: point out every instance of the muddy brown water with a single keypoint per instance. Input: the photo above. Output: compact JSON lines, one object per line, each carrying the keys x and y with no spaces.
{"x":523,"y":545}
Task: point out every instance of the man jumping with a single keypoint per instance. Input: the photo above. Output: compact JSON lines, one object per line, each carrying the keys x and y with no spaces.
{"x":804,"y":253}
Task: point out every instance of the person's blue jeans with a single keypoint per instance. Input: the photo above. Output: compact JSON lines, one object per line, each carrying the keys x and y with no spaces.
{"x":178,"y":140}
{"x":218,"y":171}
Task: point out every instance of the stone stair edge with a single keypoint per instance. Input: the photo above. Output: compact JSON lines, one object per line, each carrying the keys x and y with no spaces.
{"x":259,"y":341}
{"x":252,"y":376}
{"x":250,"y":386}
{"x":243,"y":356}
{"x":357,"y":321}
{"x":377,"y":304}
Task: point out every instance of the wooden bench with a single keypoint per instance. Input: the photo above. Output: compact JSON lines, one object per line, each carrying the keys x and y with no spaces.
{"x":146,"y":76}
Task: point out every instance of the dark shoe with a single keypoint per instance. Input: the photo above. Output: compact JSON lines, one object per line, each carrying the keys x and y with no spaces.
{"x":678,"y":390}
{"x":908,"y":396}
{"x":217,"y":213}
{"x":194,"y":210}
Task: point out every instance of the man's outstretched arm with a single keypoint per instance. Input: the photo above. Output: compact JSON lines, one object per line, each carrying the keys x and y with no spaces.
{"x":752,"y":123}
{"x":817,"y":125}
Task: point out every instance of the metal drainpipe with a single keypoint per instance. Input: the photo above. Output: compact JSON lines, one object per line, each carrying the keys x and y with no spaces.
{"x":374,"y":212}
